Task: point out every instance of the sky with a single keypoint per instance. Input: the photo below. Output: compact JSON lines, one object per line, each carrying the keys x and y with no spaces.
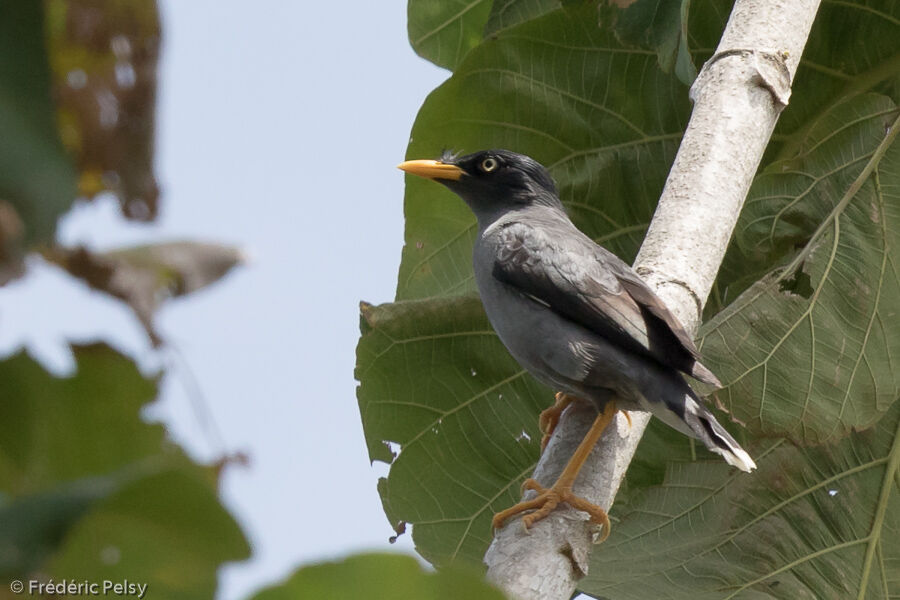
{"x":280,"y":125}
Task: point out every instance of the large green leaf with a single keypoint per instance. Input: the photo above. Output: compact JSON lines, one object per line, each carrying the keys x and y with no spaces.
{"x":835,"y":66}
{"x":601,"y":116}
{"x":456,"y":417}
{"x":166,"y":529}
{"x":89,"y":488}
{"x":32,"y":526}
{"x":854,"y":47}
{"x":811,"y":351}
{"x":811,"y":523}
{"x":506,"y":13}
{"x":660,"y":25}
{"x":36,"y":176}
{"x":380,"y":576}
{"x":607,"y":121}
{"x":439,"y":384}
{"x":443,"y":31}
{"x":54,"y":430}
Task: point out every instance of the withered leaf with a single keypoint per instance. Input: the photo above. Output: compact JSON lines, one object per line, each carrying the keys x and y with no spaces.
{"x":145,"y":276}
{"x":103,"y":55}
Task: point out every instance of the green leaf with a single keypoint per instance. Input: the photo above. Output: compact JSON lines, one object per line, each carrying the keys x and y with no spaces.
{"x":834,"y":67}
{"x":443,"y":31}
{"x":526,"y":91}
{"x":810,"y":523}
{"x":32,"y":526}
{"x":660,"y":447}
{"x":602,"y":117}
{"x":506,"y":13}
{"x":854,"y":47}
{"x":60,"y":429}
{"x":438,"y":384}
{"x":606,"y":121}
{"x":380,"y":576}
{"x":810,"y":351}
{"x":36,"y":175}
{"x":660,"y":25}
{"x":168,"y":530}
{"x":88,"y":488}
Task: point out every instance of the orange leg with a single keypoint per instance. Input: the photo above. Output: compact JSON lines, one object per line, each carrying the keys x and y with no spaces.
{"x":561,"y":491}
{"x":550,"y":417}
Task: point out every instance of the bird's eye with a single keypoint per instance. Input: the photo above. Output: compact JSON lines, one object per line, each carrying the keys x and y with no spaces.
{"x":489,"y":164}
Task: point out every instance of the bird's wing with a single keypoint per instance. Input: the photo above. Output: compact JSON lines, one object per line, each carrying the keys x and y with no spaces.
{"x":566,"y":271}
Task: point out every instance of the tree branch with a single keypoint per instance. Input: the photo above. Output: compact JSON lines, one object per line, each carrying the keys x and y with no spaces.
{"x":738,"y":96}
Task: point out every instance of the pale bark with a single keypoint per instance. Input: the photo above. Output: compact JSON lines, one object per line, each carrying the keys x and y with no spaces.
{"x":737,"y":98}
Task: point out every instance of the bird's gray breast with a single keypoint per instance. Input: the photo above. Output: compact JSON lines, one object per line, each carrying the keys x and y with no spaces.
{"x":557,"y":351}
{"x":516,"y":317}
{"x":553,"y":349}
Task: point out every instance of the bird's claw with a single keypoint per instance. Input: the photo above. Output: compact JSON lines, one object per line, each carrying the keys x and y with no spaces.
{"x":549,"y":418}
{"x":543,"y":504}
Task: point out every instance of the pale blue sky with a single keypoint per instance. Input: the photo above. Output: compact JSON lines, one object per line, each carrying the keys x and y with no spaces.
{"x":279,"y":128}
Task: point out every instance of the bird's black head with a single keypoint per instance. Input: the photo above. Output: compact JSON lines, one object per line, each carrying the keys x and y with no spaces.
{"x":492,"y":182}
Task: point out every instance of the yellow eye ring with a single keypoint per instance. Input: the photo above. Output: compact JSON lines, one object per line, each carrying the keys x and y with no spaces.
{"x":489,"y":164}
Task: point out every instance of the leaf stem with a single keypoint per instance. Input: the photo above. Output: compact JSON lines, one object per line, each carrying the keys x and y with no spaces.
{"x":883,"y":499}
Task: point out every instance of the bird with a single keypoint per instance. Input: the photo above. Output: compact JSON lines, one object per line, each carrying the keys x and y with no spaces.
{"x":575,"y":316}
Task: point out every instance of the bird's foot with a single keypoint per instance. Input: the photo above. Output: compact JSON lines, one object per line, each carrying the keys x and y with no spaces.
{"x":548,"y":499}
{"x":549,"y":418}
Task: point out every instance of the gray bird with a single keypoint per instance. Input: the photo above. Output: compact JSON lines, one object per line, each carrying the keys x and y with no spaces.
{"x":573,"y":314}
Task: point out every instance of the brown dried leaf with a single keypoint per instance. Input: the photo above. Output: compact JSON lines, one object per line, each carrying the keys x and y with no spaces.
{"x":145,"y":276}
{"x":103,"y":54}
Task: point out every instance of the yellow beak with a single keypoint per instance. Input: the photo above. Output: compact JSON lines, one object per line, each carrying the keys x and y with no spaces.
{"x":431,"y":169}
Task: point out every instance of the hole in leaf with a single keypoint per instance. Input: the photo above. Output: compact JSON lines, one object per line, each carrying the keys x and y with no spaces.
{"x":393,"y":448}
{"x":799,"y":284}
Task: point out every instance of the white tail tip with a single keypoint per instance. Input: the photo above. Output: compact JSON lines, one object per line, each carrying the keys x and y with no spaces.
{"x":737,"y":457}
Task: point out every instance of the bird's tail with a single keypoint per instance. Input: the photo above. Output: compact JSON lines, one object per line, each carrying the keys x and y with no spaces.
{"x":703,"y":425}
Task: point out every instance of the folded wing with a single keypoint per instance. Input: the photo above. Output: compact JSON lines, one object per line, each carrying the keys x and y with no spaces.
{"x":589,"y":285}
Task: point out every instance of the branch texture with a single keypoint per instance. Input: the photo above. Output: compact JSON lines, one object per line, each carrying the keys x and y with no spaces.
{"x":738,"y":96}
